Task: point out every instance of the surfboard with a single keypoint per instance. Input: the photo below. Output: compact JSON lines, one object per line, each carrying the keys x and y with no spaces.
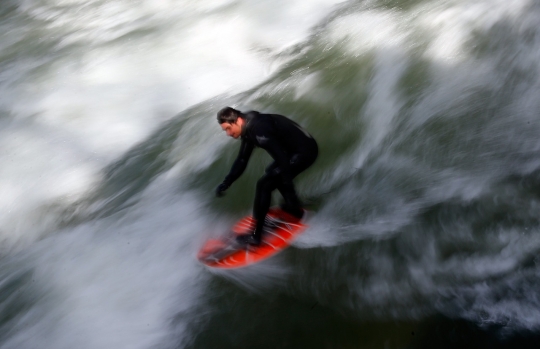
{"x":281,"y":229}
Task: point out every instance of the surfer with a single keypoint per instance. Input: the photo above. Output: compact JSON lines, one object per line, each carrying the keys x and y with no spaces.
{"x":292,"y":148}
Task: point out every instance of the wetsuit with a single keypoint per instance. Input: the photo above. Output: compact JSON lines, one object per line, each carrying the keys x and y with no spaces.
{"x":293,"y":151}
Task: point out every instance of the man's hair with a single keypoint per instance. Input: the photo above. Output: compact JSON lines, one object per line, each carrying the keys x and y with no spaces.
{"x":228,"y":115}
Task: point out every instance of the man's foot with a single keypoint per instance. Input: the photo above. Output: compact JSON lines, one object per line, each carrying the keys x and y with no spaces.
{"x":249,"y":239}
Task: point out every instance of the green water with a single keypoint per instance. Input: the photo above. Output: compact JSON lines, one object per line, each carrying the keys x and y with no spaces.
{"x":424,"y":199}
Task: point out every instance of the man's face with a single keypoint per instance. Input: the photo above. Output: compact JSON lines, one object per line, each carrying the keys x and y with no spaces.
{"x":233,"y":130}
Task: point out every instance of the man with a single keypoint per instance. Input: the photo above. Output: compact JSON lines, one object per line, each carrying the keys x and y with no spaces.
{"x":291,"y":147}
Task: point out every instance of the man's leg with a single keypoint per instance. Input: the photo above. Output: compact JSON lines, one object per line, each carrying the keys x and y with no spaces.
{"x":263,"y":196}
{"x":292,"y":203}
{"x":271,"y":181}
{"x":298,"y":163}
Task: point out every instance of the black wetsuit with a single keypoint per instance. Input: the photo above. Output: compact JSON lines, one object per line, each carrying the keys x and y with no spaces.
{"x":293,"y":151}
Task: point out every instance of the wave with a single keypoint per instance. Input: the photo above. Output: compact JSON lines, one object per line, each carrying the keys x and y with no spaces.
{"x":424,"y":196}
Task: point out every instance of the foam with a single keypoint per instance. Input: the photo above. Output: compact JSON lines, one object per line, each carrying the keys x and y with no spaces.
{"x":114,"y":285}
{"x":110,"y":73}
{"x":113,"y":71}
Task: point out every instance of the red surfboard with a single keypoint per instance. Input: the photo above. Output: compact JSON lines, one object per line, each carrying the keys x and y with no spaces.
{"x":226,"y":253}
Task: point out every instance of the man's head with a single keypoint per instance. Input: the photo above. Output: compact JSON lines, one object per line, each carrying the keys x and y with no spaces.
{"x":231,"y":121}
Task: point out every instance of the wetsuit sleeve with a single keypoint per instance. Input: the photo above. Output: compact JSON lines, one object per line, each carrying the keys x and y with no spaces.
{"x":239,"y":165}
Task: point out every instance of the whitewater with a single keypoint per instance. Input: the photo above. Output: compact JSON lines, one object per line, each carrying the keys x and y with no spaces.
{"x":424,"y":226}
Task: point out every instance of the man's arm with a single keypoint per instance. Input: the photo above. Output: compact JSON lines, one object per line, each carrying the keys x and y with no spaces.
{"x":239,"y":165}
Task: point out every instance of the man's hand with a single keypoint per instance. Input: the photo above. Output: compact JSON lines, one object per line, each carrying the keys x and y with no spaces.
{"x":220,"y":190}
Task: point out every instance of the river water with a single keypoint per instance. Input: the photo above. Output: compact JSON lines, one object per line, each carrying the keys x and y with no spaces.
{"x":425,"y":199}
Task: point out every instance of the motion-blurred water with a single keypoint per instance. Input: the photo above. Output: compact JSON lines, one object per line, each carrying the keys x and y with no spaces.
{"x":425,"y":198}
